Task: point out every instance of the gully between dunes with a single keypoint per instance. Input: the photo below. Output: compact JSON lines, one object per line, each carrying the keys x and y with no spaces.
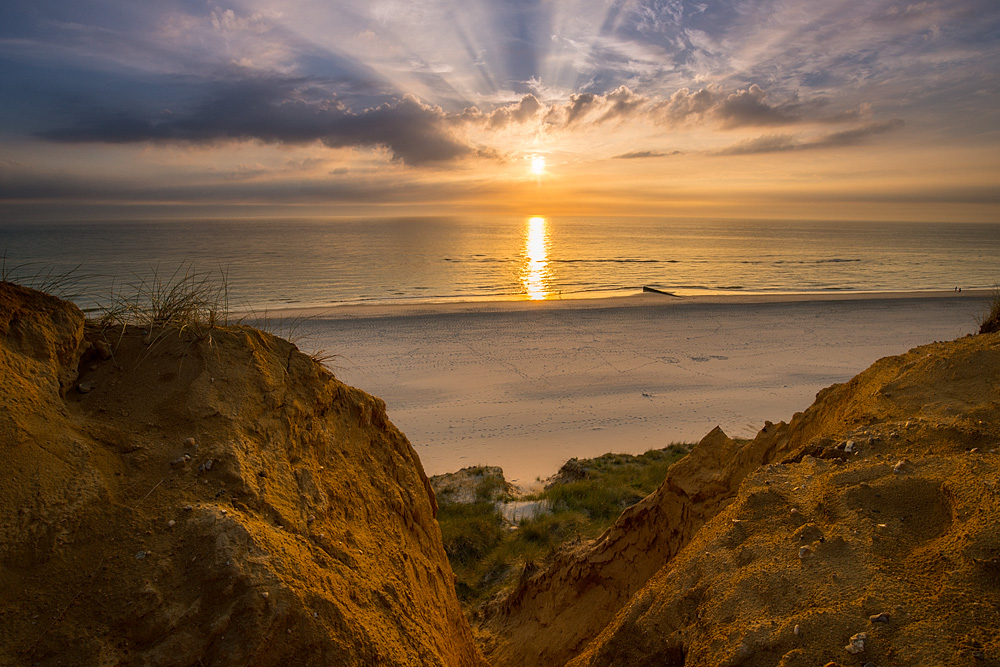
{"x":211,"y":496}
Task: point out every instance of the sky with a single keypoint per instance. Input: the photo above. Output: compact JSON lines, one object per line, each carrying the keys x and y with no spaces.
{"x":813,"y":109}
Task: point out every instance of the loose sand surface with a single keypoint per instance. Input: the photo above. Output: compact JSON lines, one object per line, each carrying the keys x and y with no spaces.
{"x":528,"y":385}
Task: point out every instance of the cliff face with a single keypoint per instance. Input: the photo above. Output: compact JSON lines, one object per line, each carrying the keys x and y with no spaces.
{"x":881,"y":500}
{"x":206,"y":497}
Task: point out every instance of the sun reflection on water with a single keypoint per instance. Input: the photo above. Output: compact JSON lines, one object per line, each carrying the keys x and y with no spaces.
{"x":534,"y":268}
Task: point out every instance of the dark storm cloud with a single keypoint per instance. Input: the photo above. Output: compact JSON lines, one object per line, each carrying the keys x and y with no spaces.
{"x":279,"y":110}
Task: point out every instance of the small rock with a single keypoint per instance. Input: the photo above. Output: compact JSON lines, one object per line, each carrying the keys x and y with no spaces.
{"x":856,"y":644}
{"x":898,"y":468}
{"x":797,"y":630}
{"x":849,"y":447}
{"x":206,"y":466}
{"x":85,"y":387}
{"x":794,"y":511}
{"x":188,"y":508}
{"x":265,"y":595}
{"x":879,"y":618}
{"x":171,"y":523}
{"x":189,"y":442}
{"x":180,"y":461}
{"x":312,"y":517}
{"x":805,"y":551}
{"x":103,"y":349}
{"x":140,"y":555}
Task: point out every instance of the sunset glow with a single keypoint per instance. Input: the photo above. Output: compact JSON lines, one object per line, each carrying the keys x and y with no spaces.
{"x":753,"y":109}
{"x":534,"y":270}
{"x":538,"y":165}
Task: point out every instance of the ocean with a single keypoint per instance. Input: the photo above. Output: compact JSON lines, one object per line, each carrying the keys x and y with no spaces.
{"x":270,"y":264}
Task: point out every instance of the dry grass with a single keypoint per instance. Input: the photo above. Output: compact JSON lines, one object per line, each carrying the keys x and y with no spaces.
{"x":186,"y":300}
{"x":44,"y":278}
{"x":990,"y":321}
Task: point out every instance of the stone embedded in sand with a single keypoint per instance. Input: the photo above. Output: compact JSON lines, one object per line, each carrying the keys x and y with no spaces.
{"x":898,"y":468}
{"x":879,"y":618}
{"x":857,"y":643}
{"x":805,"y":551}
{"x":103,"y":349}
{"x":85,"y":387}
{"x":849,"y":446}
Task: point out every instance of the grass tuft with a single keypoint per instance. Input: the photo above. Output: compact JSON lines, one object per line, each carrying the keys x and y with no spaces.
{"x":44,"y":278}
{"x":990,"y":321}
{"x":186,"y":301}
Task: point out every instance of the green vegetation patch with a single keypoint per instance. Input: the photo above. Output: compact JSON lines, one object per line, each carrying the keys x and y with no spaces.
{"x":587,"y":495}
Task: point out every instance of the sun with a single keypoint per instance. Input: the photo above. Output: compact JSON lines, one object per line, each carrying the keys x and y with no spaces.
{"x":537,"y":165}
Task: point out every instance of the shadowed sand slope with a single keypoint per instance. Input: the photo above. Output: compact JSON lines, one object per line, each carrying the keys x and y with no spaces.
{"x":866,"y":529}
{"x":189,"y":497}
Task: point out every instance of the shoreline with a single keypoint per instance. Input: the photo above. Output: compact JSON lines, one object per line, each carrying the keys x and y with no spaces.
{"x":528,"y":385}
{"x":638,"y":299}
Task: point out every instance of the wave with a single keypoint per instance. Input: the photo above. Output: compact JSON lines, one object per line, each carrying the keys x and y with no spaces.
{"x":776,"y":262}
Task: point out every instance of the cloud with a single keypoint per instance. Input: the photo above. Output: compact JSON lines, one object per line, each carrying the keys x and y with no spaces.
{"x":281,"y":110}
{"x":634,"y":155}
{"x":747,"y":107}
{"x":771,"y":143}
{"x":622,"y":103}
{"x":619,"y":104}
{"x":774,"y":143}
{"x":855,"y":136}
{"x":521,"y":112}
{"x":684,"y":104}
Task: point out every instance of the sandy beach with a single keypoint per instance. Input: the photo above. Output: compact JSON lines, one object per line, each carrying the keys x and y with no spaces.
{"x":528,"y":385}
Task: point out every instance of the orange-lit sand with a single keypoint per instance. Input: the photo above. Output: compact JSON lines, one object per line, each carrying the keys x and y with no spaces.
{"x":528,"y":385}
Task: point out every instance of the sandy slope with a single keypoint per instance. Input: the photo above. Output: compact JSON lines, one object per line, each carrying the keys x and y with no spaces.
{"x":206,"y":497}
{"x":883,"y":497}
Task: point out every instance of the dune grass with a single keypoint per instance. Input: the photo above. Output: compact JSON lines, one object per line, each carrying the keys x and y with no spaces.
{"x":990,"y":320}
{"x":487,"y":553}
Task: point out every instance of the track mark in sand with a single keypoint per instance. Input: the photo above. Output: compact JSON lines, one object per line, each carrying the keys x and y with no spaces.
{"x":504,"y":363}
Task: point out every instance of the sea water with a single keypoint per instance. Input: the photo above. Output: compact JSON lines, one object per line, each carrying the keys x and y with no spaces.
{"x":269,"y":264}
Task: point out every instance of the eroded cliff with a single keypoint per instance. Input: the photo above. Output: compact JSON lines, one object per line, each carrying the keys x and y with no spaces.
{"x":866,"y":529}
{"x":212,"y":496}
